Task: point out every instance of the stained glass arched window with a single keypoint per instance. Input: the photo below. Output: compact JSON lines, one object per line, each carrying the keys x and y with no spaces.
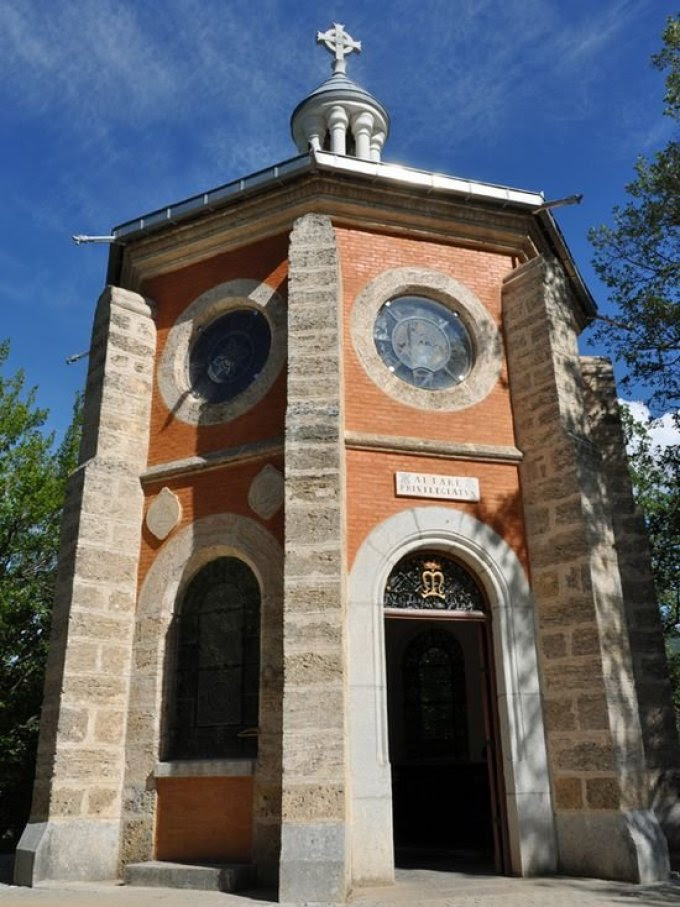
{"x":435,"y":705}
{"x":214,"y":709}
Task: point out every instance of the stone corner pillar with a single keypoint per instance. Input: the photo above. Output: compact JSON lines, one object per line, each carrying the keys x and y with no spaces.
{"x":604,"y":820}
{"x":314,"y":864}
{"x":73,"y":831}
{"x":657,"y":717}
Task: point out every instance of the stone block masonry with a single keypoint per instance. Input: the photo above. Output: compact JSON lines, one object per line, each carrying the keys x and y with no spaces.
{"x":595,"y":748}
{"x":74,"y":827}
{"x":314,"y":863}
{"x":659,"y":731}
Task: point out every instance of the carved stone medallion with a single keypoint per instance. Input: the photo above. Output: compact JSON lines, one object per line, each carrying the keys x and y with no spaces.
{"x":164,"y":514}
{"x":265,"y":496}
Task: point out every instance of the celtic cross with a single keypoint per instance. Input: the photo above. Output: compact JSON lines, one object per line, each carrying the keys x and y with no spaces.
{"x":339,"y":43}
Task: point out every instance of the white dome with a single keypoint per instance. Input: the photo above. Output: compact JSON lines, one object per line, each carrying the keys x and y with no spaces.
{"x":340,"y":116}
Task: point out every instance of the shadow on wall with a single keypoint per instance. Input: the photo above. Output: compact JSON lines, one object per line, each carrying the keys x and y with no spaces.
{"x":531,"y":721}
{"x":590,"y":701}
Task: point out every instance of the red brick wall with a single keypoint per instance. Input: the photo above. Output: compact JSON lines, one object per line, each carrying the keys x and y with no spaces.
{"x":370,"y":475}
{"x":172,"y":293}
{"x":208,"y":493}
{"x":364,"y":256}
{"x":371,"y":497}
{"x":208,"y":819}
{"x":224,"y":489}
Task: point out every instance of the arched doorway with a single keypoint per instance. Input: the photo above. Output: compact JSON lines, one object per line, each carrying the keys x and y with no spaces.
{"x":443,"y":739}
{"x":511,"y":655}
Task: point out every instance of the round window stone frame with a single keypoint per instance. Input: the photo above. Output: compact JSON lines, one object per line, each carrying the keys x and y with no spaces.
{"x":173,"y":372}
{"x":484,"y":335}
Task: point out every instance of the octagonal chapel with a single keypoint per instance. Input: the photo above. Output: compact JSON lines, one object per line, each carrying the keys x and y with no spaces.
{"x":351,"y":574}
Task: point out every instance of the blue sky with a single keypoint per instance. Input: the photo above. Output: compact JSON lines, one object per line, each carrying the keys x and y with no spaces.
{"x":112,"y":108}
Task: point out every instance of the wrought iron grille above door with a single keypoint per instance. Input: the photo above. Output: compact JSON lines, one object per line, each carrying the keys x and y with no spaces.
{"x":432,"y":581}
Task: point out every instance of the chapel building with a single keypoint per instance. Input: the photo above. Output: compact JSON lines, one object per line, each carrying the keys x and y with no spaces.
{"x":351,"y":572}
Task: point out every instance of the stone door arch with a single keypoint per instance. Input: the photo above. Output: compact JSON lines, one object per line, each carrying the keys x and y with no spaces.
{"x":444,"y":745}
{"x":531,"y":834}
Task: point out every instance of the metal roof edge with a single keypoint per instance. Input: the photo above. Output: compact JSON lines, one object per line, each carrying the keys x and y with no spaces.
{"x":377,"y":172}
{"x":394,"y":173}
{"x":425,"y":179}
{"x":213,"y":198}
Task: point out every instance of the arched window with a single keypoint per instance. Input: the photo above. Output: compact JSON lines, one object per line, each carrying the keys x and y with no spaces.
{"x":214,"y":707}
{"x":435,"y":708}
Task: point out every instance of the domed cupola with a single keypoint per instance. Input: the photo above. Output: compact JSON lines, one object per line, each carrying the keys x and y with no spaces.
{"x":340,"y":116}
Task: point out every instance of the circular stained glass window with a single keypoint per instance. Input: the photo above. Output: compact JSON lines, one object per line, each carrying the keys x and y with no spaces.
{"x":423,"y":342}
{"x":229,"y":354}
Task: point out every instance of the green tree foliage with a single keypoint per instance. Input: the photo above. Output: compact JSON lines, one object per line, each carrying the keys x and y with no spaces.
{"x":33,"y":478}
{"x":655,"y":476}
{"x":638,"y":257}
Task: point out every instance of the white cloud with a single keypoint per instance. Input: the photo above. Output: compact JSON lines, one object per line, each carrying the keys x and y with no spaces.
{"x":141,"y":104}
{"x":97,"y":63}
{"x":663,"y":431}
{"x":469,"y":67}
{"x":92,"y":59}
{"x":107,"y":61}
{"x":138,"y":105}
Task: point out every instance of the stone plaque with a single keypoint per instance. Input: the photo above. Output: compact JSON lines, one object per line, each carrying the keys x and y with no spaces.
{"x":426,"y":485}
{"x":164,"y":513}
{"x":265,"y":496}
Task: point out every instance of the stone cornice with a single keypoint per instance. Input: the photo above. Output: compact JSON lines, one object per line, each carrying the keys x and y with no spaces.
{"x":205,"y":768}
{"x":214,"y":460}
{"x":422,"y":447}
{"x":348,"y":200}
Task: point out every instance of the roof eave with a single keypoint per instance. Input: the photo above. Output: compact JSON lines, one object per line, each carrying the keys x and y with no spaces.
{"x":524,"y":200}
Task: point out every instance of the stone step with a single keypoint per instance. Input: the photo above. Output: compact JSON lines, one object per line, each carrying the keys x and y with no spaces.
{"x":199,"y":876}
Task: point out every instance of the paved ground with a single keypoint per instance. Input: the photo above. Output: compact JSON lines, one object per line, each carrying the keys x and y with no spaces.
{"x":414,"y":888}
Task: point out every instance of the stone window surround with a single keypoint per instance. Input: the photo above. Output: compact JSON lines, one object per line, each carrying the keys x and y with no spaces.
{"x":433,"y":284}
{"x":173,"y":371}
{"x":528,"y":801}
{"x":177,"y":562}
{"x":205,"y":768}
{"x":190,"y":567}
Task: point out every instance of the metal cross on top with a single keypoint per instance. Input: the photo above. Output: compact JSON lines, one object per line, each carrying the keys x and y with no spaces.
{"x":338,"y":42}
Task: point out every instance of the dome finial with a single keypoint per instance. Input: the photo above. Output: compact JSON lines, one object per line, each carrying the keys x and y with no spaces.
{"x":339,"y":43}
{"x":340,"y":116}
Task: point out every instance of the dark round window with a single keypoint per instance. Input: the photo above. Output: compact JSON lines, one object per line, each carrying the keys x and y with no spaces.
{"x":423,"y":342}
{"x":229,"y":354}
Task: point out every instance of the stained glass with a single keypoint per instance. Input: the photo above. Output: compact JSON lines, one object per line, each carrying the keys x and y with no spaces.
{"x":216,"y":677}
{"x":435,"y":720}
{"x":229,"y":354}
{"x":423,"y":342}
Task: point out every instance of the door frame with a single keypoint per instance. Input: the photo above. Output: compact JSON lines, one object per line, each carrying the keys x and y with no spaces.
{"x":532,"y":846}
{"x":487,"y":691}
